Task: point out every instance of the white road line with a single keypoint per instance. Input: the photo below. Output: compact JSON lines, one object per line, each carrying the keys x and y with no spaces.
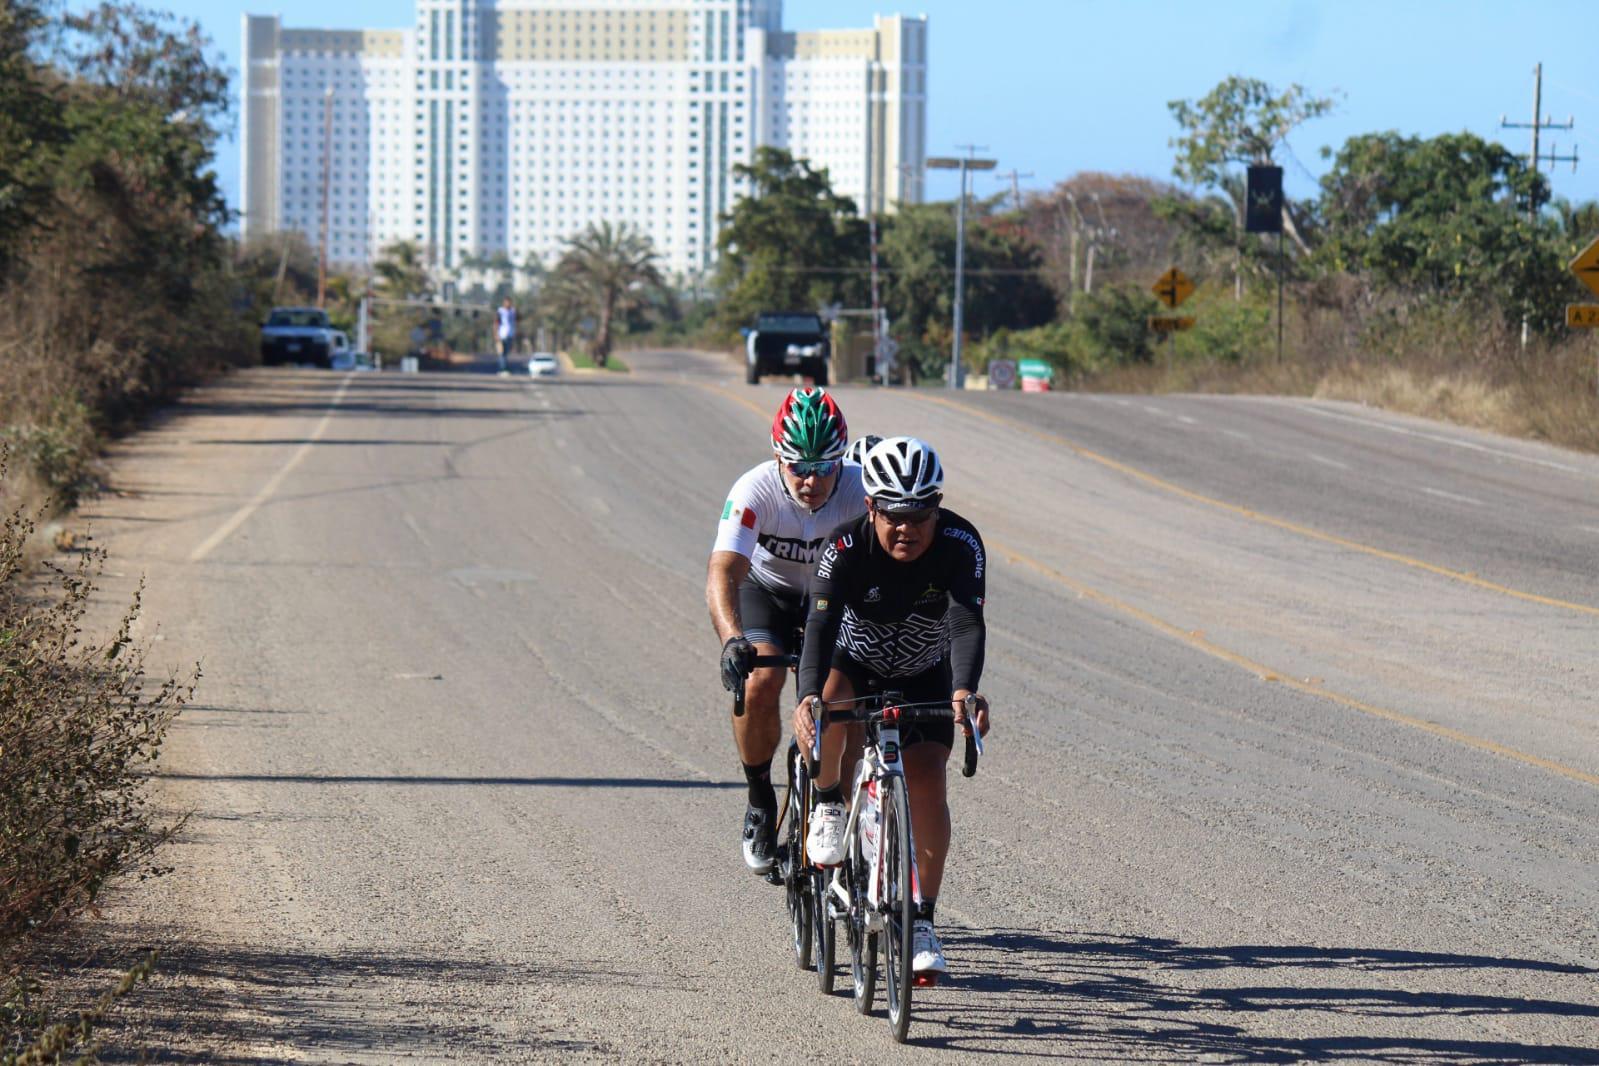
{"x":1154,"y":410}
{"x":1324,"y":461}
{"x":1441,"y":494}
{"x":1122,"y":403}
{"x":242,"y":515}
{"x":1185,"y":420}
{"x":1236,"y":433}
{"x":1589,"y":529}
{"x":1440,"y":439}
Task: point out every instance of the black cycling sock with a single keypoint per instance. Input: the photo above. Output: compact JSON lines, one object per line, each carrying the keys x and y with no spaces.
{"x":762,"y":794}
{"x":830,"y":795}
{"x":924,"y":909}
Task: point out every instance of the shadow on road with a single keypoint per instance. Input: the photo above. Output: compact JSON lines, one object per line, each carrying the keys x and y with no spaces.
{"x":543,"y":782}
{"x":238,"y":1004}
{"x":1041,"y":994}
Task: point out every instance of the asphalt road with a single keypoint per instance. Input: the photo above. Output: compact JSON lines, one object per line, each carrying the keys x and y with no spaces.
{"x":1295,"y":753}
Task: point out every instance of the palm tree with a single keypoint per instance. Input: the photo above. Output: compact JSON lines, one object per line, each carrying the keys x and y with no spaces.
{"x":403,"y":273}
{"x":606,"y":270}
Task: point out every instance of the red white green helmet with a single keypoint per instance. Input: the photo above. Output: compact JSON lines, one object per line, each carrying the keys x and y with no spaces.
{"x":809,"y":428}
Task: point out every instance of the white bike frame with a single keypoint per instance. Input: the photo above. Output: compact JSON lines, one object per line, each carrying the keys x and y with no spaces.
{"x":879,"y":762}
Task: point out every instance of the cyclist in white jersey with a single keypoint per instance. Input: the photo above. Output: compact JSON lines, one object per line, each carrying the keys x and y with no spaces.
{"x":772,"y":530}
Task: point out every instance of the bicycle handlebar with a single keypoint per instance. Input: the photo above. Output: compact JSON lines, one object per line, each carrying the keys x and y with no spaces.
{"x":755,"y":664}
{"x":912,"y":711}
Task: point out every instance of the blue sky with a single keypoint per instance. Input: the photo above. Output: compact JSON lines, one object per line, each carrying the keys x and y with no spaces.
{"x":1053,"y":87}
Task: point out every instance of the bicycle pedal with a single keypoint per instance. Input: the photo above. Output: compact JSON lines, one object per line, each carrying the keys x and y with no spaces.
{"x":774,"y":876}
{"x":925,"y":980}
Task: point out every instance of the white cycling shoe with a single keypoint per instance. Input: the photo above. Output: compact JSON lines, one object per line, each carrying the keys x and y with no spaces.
{"x":927,"y":954}
{"x":824,"y":842}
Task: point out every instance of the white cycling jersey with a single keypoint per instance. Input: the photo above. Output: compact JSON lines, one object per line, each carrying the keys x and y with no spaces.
{"x":780,"y":538}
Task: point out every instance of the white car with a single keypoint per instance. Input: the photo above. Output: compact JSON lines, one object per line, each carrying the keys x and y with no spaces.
{"x":349,"y":359}
{"x":542,"y":365}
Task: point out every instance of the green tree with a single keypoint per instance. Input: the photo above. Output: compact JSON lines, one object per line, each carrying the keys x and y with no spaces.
{"x":1005,"y":284}
{"x":402,"y":273}
{"x":1445,"y":217}
{"x":791,"y":243}
{"x":605,"y":272}
{"x":1241,"y":121}
{"x":30,"y":128}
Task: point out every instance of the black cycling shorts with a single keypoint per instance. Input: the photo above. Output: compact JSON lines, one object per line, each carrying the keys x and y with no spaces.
{"x":769,"y":618}
{"x":925,"y":687}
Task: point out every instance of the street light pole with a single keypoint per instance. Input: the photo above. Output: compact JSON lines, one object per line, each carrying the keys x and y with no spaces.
{"x":327,"y":170}
{"x":963,"y":164}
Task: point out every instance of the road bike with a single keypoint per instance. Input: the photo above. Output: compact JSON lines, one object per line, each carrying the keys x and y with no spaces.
{"x":802,"y":883}
{"x":875,"y":890}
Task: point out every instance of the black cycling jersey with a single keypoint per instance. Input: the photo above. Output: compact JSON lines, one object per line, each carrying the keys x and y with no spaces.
{"x":897,"y":619}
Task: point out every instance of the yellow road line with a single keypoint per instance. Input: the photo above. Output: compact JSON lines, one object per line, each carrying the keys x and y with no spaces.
{"x":1199,"y":642}
{"x":735,"y":397}
{"x":1256,"y":516}
{"x":1266,"y":673}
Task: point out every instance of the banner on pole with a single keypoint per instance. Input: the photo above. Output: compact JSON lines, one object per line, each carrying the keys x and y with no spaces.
{"x":1263,"y":210}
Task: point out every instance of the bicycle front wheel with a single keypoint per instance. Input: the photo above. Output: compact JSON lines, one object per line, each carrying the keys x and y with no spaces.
{"x":898,"y":906}
{"x":825,"y":931}
{"x":862,"y":942}
{"x":796,"y":880}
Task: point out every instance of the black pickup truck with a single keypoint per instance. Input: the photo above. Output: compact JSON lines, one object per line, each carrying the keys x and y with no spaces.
{"x":787,"y":342}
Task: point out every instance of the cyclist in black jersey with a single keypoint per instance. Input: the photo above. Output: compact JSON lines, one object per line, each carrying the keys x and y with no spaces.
{"x":897,"y":603}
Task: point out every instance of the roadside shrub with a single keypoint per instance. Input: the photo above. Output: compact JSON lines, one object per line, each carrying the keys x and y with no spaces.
{"x":59,"y":450}
{"x":1225,"y":330}
{"x":1113,"y":326}
{"x":80,"y":728}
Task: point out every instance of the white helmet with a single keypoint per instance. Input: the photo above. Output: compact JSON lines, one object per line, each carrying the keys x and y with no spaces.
{"x":902,"y":474}
{"x":859,"y":447}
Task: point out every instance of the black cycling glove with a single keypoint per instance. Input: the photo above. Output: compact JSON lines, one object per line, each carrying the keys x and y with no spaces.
{"x":738,"y":656}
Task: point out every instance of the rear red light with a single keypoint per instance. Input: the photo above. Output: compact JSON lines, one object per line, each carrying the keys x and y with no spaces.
{"x":891,"y":715}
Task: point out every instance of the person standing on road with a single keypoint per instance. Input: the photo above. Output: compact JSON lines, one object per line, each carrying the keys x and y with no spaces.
{"x":772,"y":529}
{"x":896,"y":603}
{"x":506,"y":333}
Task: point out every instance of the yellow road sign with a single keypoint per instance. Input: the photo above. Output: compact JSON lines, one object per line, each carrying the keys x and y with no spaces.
{"x":1169,"y":323}
{"x":1582,"y":316}
{"x":1586,"y":267}
{"x":1174,"y":287}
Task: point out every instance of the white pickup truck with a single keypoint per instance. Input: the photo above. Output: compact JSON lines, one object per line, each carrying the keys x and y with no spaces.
{"x":301,"y":335}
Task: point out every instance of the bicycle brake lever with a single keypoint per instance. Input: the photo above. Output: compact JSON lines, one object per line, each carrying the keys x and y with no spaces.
{"x":816,"y":734}
{"x":970,"y":704}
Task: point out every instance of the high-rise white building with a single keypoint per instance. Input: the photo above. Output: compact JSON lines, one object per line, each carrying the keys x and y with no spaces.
{"x":503,"y":126}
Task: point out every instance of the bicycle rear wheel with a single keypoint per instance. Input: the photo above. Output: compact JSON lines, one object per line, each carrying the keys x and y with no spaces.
{"x":825,"y":931}
{"x":862,"y":944}
{"x":796,"y":880}
{"x":899,"y":906}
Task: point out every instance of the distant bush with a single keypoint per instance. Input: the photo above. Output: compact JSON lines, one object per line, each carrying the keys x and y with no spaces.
{"x":1225,"y":330}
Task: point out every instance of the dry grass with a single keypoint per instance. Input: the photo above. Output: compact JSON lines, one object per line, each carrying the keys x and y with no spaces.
{"x":1442,"y":366}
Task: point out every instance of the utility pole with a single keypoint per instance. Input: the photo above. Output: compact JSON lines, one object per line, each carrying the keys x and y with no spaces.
{"x":1015,"y":180}
{"x":327,"y":174}
{"x":1071,"y":229}
{"x":1538,"y":125}
{"x":963,"y":164}
{"x":877,"y":313}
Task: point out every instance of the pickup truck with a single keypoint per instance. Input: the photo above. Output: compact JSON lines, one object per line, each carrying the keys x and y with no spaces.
{"x":300,"y":335}
{"x":787,"y":342}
